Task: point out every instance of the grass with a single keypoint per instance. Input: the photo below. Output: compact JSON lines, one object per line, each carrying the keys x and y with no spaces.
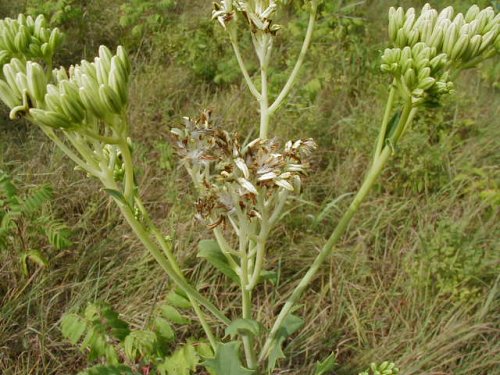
{"x":371,"y":302}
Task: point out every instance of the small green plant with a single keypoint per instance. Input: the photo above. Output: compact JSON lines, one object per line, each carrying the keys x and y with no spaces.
{"x":385,"y":368}
{"x":242,"y":186}
{"x":27,"y":226}
{"x":106,"y":338}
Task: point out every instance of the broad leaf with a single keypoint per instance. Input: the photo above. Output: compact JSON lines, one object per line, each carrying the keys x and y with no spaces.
{"x":290,"y":325}
{"x":163,"y":329}
{"x":182,"y":362}
{"x":227,"y":360}
{"x":243,"y":326}
{"x":140,"y":343}
{"x":72,"y":327}
{"x":170,"y":313}
{"x":35,"y":256}
{"x":177,"y":300}
{"x":210,"y":250}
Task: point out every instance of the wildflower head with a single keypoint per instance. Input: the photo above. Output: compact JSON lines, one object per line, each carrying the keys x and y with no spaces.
{"x":238,"y":179}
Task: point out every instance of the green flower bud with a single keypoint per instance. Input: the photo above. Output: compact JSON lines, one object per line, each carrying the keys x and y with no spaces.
{"x":118,"y":83}
{"x":72,"y":109}
{"x":459,"y":20}
{"x":91,"y":102}
{"x":413,"y":36}
{"x":460,"y":47}
{"x":488,"y":39}
{"x":40,"y":24}
{"x":53,"y":102}
{"x":446,"y":13}
{"x":410,"y":78}
{"x":50,"y":119}
{"x":22,"y":39}
{"x":450,"y":37}
{"x":9,"y":96}
{"x":438,"y":62}
{"x":102,"y":71}
{"x":472,"y":13}
{"x":55,"y":39}
{"x":401,"y":38}
{"x":421,"y":63}
{"x":60,"y":74}
{"x":426,"y":83}
{"x":37,"y":82}
{"x":424,"y":73}
{"x":408,"y":24}
{"x":110,"y":99}
{"x":4,"y":57}
{"x":123,"y":56}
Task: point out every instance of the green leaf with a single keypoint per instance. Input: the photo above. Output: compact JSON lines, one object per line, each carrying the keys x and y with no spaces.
{"x":210,"y":250}
{"x":140,"y":343}
{"x":117,"y":195}
{"x":290,"y":325}
{"x":182,"y":362}
{"x":243,"y":326}
{"x":391,"y":126}
{"x":108,"y":370}
{"x":163,"y":328}
{"x":72,"y":327}
{"x":35,"y":256}
{"x":325,"y":366}
{"x":177,"y":300}
{"x":227,"y":360}
{"x":170,"y":313}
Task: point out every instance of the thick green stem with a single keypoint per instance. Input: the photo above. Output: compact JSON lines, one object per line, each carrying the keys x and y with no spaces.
{"x":383,"y":129}
{"x":326,"y":251}
{"x":246,"y":295}
{"x":300,"y":60}
{"x":142,"y":233}
{"x":241,"y":63}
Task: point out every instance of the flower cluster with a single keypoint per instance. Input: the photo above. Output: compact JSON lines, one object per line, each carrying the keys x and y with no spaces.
{"x":257,"y":12}
{"x":28,"y":38}
{"x":420,"y":72}
{"x":235,"y":179}
{"x":86,"y":92}
{"x":430,"y":46}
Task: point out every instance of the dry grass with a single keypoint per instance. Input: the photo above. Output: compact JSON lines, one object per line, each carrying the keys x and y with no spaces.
{"x":364,"y":305}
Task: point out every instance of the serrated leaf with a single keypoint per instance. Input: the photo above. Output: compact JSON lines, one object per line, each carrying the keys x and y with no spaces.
{"x":176,"y":300}
{"x":143,"y":343}
{"x":72,"y":327}
{"x":35,"y":256}
{"x":182,"y":362}
{"x":204,"y":350}
{"x":163,"y":328}
{"x":107,"y":370}
{"x":170,"y":313}
{"x":227,"y":360}
{"x":326,"y":365}
{"x":290,"y":325}
{"x":243,"y":326}
{"x":210,"y":250}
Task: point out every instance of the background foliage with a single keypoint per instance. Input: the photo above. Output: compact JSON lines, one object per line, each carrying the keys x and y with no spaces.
{"x":417,"y":281}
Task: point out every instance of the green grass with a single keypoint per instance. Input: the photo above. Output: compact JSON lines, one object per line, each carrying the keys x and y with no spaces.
{"x":375,"y":299}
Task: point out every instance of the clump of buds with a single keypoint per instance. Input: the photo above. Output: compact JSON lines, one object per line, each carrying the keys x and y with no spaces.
{"x":86,"y":93}
{"x":27,"y":38}
{"x":235,"y":179}
{"x":258,"y":13}
{"x":420,"y":73}
{"x":431,"y":47}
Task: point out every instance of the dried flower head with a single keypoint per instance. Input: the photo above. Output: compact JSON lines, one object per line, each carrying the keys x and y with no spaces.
{"x":235,"y":179}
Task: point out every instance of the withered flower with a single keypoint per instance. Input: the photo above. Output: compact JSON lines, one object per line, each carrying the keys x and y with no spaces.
{"x":238,"y":180}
